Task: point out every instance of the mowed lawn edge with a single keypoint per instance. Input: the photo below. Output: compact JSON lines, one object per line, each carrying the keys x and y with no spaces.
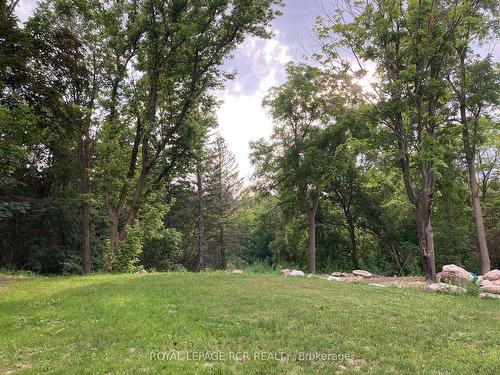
{"x":205,"y":323}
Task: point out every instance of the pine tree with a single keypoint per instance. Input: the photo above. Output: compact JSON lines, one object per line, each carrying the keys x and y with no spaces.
{"x":223,"y":187}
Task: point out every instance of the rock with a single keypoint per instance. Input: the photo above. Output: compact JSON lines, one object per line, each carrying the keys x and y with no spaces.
{"x":438,"y":276}
{"x":446,"y":288}
{"x":480,"y":279}
{"x":336,"y":278}
{"x":234,"y":272}
{"x":436,"y":287}
{"x":486,"y":282}
{"x":286,"y":272}
{"x":488,"y":295}
{"x":495,"y":282}
{"x":455,"y":274}
{"x":296,"y":273}
{"x":339,"y":274}
{"x":456,"y":289}
{"x":362,"y":273}
{"x":311,"y":275}
{"x":491,"y":288}
{"x":141,"y":271}
{"x":492,"y":275}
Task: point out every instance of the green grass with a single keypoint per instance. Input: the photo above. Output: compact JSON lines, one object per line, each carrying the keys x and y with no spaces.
{"x":110,"y":324}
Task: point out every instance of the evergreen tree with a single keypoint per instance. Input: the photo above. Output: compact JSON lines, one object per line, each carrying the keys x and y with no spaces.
{"x":223,"y":194}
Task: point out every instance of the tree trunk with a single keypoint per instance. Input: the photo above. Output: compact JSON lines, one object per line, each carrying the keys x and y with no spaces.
{"x":310,"y":210}
{"x":200,"y":222}
{"x":86,"y":238}
{"x":426,"y":242}
{"x":471,"y":168}
{"x":114,"y":242}
{"x":223,"y":262}
{"x":396,"y":257}
{"x":116,"y":234}
{"x":312,"y":241}
{"x":354,"y":247}
{"x":478,"y":220}
{"x":83,"y":152}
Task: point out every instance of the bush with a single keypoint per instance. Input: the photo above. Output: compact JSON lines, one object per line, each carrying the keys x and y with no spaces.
{"x":260,"y":267}
{"x":473,"y":287}
{"x":177,"y":268}
{"x":163,"y":251}
{"x":236,"y":262}
{"x":130,"y":249}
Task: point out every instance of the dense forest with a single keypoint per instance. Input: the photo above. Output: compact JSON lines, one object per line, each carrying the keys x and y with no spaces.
{"x":111,"y":160}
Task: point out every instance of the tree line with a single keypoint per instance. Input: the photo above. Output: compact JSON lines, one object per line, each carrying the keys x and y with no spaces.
{"x":429,"y":117}
{"x":104,"y":104}
{"x":110,"y":158}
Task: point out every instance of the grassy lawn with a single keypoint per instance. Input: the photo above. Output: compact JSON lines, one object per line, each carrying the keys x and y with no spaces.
{"x":117,"y":324}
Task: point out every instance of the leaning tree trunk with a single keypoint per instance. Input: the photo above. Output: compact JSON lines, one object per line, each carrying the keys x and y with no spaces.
{"x":478,"y":218}
{"x":393,"y":252}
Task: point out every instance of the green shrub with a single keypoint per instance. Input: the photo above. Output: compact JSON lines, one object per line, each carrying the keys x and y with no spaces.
{"x":129,"y":251}
{"x":472,"y":288}
{"x":236,"y":262}
{"x":163,"y":251}
{"x":259,"y":267}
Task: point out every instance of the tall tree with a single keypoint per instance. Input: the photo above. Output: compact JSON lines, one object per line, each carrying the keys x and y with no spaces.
{"x":475,"y":84}
{"x":342,"y":188}
{"x":411,"y":44}
{"x":201,"y":245}
{"x":291,"y":164}
{"x":41,"y":85}
{"x":179,"y":58}
{"x":223,"y":187}
{"x":73,"y":58}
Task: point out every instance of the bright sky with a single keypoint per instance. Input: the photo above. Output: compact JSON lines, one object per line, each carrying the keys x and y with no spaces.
{"x":260,"y":65}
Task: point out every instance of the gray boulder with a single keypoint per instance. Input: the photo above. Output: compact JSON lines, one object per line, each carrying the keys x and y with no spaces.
{"x":485,"y":282}
{"x":339,"y":274}
{"x":446,"y":288}
{"x":362,"y":273}
{"x":455,"y":274}
{"x":296,"y":273}
{"x":492,"y":275}
{"x":491,"y":288}
{"x":286,"y":272}
{"x":336,"y":278}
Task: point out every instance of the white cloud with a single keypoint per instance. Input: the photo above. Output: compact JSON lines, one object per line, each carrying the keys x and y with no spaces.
{"x":241,"y":116}
{"x":241,"y":120}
